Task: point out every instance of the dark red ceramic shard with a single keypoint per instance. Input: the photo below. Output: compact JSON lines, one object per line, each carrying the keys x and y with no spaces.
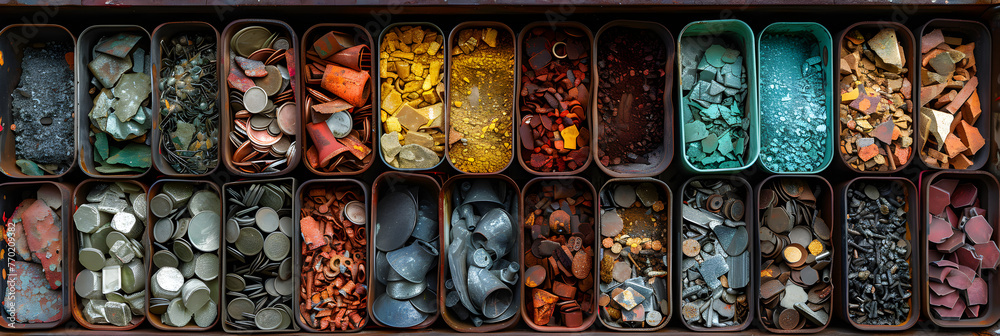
{"x":947,"y":185}
{"x":938,"y":230}
{"x":972,"y":311}
{"x":978,"y":230}
{"x":978,"y":293}
{"x":940,"y":289}
{"x":990,"y":254}
{"x":951,"y":244}
{"x":951,"y":217}
{"x":945,"y":263}
{"x":938,"y":274}
{"x":934,"y":255}
{"x":948,"y":300}
{"x":951,"y":313}
{"x":964,"y":195}
{"x":937,"y":199}
{"x":968,"y":258}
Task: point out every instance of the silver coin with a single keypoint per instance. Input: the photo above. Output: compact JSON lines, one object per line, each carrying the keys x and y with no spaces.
{"x":232,"y":230}
{"x":250,"y":241}
{"x":286,"y":225}
{"x":267,"y":219}
{"x":255,"y":99}
{"x":268,"y":319}
{"x":204,"y":200}
{"x":276,"y":246}
{"x":203,"y":231}
{"x":163,"y":230}
{"x":238,"y":306}
{"x":207,"y":266}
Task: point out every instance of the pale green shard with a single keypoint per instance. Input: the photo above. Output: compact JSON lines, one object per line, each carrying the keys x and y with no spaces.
{"x":183,"y":135}
{"x":132,"y":89}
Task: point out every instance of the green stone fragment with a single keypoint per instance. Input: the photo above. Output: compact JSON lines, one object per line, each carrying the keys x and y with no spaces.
{"x":133,"y":155}
{"x":101,"y":146}
{"x":29,"y":168}
{"x":132,"y":89}
{"x":713,"y":55}
{"x":710,"y":143}
{"x":695,"y":131}
{"x":117,"y":169}
{"x":726,"y":143}
{"x":183,"y":135}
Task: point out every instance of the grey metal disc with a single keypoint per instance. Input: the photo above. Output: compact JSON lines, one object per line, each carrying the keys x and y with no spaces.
{"x":397,"y":215}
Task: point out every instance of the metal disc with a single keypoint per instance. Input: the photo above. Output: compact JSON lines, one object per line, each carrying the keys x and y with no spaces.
{"x":163,"y":229}
{"x":268,"y":319}
{"x":250,"y":242}
{"x":183,"y":250}
{"x":276,"y":246}
{"x":203,"y":231}
{"x":397,"y":216}
{"x":255,"y":99}
{"x":286,"y":225}
{"x":267,"y":219}
{"x":284,"y":287}
{"x":235,"y":282}
{"x":205,"y":200}
{"x":206,"y":266}
{"x":232,"y":230}
{"x":238,"y":306}
{"x":164,"y":258}
{"x":161,"y":205}
{"x":285,"y":269}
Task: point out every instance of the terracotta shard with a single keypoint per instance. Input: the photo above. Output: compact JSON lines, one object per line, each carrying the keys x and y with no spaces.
{"x":45,"y":240}
{"x":312,"y":233}
{"x":883,"y":131}
{"x":972,"y":109}
{"x":238,"y":80}
{"x":952,"y":218}
{"x":963,"y":95}
{"x":961,"y":279}
{"x":978,"y":293}
{"x":970,"y":137}
{"x":972,"y":311}
{"x":250,"y":67}
{"x":931,"y":40}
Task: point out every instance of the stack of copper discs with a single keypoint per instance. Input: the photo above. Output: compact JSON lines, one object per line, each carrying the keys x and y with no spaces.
{"x":338,"y":103}
{"x":265,"y":121}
